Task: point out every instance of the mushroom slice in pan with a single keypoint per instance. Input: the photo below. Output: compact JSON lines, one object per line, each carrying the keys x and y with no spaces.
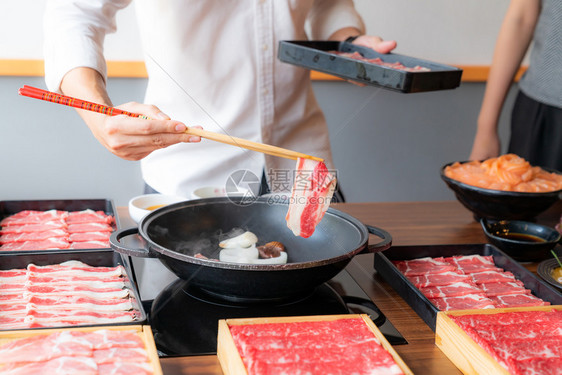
{"x":246,"y":239}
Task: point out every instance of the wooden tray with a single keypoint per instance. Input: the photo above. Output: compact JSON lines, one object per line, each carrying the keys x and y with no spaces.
{"x":462,"y":350}
{"x":232,"y":363}
{"x":143,"y":331}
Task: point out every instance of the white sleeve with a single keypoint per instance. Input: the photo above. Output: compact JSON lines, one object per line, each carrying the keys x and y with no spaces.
{"x":74,"y":32}
{"x":328,"y":16}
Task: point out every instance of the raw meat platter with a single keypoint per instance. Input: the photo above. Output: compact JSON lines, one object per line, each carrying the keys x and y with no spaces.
{"x":68,"y":289}
{"x":320,"y":344}
{"x":525,"y":340}
{"x":56,"y":225}
{"x":499,"y":281}
{"x":91,"y":350}
{"x":389,"y":71}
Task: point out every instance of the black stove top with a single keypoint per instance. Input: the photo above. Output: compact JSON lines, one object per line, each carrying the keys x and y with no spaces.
{"x":184,"y":320}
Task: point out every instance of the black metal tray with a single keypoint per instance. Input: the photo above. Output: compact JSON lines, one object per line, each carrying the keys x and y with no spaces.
{"x":316,"y":55}
{"x":8,"y":208}
{"x":421,"y":304}
{"x":101,"y":258}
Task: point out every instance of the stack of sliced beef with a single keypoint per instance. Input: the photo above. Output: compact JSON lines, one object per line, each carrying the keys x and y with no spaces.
{"x":76,"y":352}
{"x":341,"y":346}
{"x":55,"y":229}
{"x":66,"y":294}
{"x":466,"y":282}
{"x":523,"y":342}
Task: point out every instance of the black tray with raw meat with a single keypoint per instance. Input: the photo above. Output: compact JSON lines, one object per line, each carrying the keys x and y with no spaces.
{"x":11,"y":207}
{"x":92,"y":258}
{"x":324,"y":57}
{"x":421,"y":304}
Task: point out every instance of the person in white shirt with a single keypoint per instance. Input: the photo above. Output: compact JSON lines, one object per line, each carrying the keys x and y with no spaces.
{"x":211,"y":63}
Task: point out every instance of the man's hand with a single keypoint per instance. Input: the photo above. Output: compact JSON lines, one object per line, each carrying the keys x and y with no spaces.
{"x":133,"y":138}
{"x":376,"y":43}
{"x":129,"y":138}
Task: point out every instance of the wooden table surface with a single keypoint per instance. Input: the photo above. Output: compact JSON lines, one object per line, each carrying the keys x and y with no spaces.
{"x":409,"y":223}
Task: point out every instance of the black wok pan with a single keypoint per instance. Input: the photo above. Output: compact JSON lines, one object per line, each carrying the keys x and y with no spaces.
{"x":177,"y":232}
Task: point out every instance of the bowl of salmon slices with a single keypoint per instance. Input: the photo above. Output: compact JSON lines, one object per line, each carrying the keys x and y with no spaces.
{"x":506,"y":187}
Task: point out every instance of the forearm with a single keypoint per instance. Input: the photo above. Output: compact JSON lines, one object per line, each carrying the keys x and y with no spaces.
{"x":513,"y":41}
{"x":87,"y":84}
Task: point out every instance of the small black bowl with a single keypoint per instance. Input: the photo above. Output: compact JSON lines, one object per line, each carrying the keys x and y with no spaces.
{"x":522,"y":240}
{"x":545,"y":269}
{"x":498,"y":204}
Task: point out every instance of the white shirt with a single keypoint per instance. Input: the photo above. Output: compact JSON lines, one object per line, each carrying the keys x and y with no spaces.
{"x":211,"y":63}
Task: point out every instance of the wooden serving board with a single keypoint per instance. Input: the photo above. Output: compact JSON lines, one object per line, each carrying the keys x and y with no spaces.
{"x":462,"y":350}
{"x":143,"y":331}
{"x":232,"y":363}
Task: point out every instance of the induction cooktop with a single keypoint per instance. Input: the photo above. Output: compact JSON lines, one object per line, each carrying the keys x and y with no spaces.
{"x":184,"y":320}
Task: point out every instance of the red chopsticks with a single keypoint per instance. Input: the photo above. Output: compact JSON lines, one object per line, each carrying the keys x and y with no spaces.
{"x":53,"y":97}
{"x":34,"y":92}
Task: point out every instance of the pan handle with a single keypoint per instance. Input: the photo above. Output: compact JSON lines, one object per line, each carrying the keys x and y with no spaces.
{"x":116,"y":245}
{"x":382,"y":245}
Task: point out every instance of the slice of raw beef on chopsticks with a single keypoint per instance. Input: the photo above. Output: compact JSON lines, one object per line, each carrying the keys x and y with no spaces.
{"x":311,"y":195}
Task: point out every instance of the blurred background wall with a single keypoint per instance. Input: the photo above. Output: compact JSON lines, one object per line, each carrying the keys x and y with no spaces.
{"x":387,"y":146}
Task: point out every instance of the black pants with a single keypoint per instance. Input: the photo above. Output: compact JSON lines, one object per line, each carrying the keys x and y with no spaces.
{"x":536,"y":132}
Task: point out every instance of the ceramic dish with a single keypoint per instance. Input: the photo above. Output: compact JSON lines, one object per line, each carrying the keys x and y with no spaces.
{"x":522,"y":240}
{"x":545,"y":269}
{"x":142,"y":205}
{"x":498,"y":204}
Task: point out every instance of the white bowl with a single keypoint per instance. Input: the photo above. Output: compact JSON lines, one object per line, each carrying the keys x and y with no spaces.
{"x":216,"y":191}
{"x":142,"y":205}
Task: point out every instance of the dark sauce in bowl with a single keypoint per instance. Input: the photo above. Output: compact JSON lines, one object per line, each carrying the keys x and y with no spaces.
{"x":519,"y":237}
